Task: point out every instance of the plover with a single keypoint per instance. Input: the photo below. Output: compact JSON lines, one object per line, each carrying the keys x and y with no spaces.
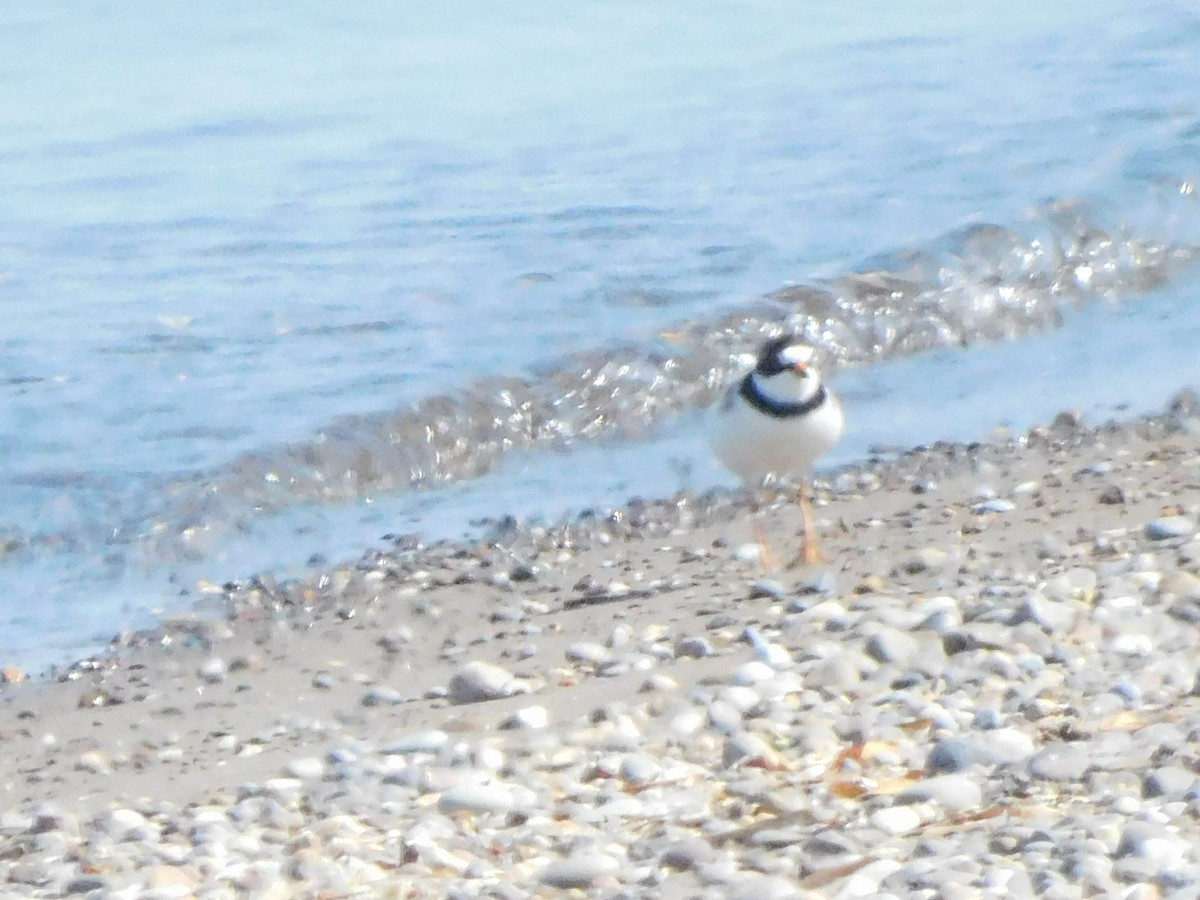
{"x":777,"y":421}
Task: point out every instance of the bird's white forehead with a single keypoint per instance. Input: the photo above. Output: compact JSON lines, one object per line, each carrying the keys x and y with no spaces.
{"x":796,"y":354}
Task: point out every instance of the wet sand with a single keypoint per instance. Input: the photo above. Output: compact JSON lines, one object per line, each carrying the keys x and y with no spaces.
{"x":1036,"y":560}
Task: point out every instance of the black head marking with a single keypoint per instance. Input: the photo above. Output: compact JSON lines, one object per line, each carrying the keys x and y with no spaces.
{"x":770,"y":359}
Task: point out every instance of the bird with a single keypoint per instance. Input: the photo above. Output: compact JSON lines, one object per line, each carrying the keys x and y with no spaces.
{"x":777,"y":421}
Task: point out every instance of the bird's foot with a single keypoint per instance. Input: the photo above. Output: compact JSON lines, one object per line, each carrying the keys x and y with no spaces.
{"x":811,"y":555}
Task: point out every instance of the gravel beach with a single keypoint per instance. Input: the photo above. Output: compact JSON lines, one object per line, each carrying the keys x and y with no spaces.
{"x":988,"y":691}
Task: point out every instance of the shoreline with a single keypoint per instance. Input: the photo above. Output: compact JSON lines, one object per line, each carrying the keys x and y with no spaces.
{"x":1004,"y":640}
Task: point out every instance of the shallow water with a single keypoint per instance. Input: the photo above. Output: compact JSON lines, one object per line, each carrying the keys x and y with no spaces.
{"x":277,"y":286}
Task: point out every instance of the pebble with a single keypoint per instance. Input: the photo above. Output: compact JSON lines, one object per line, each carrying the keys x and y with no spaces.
{"x":639,"y":769}
{"x":214,"y":671}
{"x":754,"y":672}
{"x":529,"y":717}
{"x":431,"y":741}
{"x":588,"y":652}
{"x":1060,"y":762}
{"x":997,"y":747}
{"x":480,"y":681}
{"x":889,"y":645}
{"x":768,"y":588}
{"x":384,"y":696}
{"x":93,"y":761}
{"x":305,"y":767}
{"x":579,"y":871}
{"x":1167,"y":527}
{"x":896,"y":820}
{"x":954,"y":792}
{"x":477,"y":798}
{"x":693,"y":648}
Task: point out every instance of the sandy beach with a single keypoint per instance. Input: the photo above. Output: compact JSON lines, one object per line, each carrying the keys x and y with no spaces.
{"x":989,"y":690}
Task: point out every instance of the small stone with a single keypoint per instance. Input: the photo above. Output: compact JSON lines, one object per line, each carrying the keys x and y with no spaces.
{"x":477,"y":798}
{"x":214,"y":671}
{"x":1151,"y":842}
{"x":1055,"y":616}
{"x":749,"y":553}
{"x":1167,"y":527}
{"x":926,"y":559}
{"x":480,"y":681}
{"x":431,"y":741}
{"x":999,"y":746}
{"x":529,"y":717}
{"x":688,"y":853}
{"x":1059,"y":762}
{"x":816,"y":580}
{"x":896,"y":820}
{"x":872,"y":584}
{"x":745,"y":748}
{"x":1171,"y":782}
{"x":586,"y":652}
{"x":639,"y":769}
{"x":995,"y":505}
{"x":579,"y":871}
{"x":1112,"y":495}
{"x":81,"y":885}
{"x":171,"y":881}
{"x":383,"y":696}
{"x":754,"y":672}
{"x":693,"y":648}
{"x":93,"y":761}
{"x":307,"y":767}
{"x":1180,"y":584}
{"x":323,"y":681}
{"x":767,"y":588}
{"x":954,"y":792}
{"x":891,"y":646}
{"x":774,"y":655}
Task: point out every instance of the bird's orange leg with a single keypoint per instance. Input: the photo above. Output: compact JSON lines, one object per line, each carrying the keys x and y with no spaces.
{"x":811,"y":555}
{"x":760,"y":537}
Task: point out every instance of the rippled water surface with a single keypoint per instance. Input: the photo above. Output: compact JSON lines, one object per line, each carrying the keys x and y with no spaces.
{"x":274,"y":285}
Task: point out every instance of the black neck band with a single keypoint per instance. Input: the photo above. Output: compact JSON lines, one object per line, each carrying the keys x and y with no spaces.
{"x":779,"y":409}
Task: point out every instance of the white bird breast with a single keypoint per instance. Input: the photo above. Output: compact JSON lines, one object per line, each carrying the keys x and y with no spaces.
{"x":753,"y":445}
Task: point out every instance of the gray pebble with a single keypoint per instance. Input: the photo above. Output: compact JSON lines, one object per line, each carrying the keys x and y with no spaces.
{"x":477,"y":798}
{"x":693,"y":648}
{"x":1172,"y":782}
{"x":639,"y":769}
{"x":383,"y":696}
{"x":957,"y":754}
{"x":769,"y":588}
{"x":1055,"y":616}
{"x":431,"y":741}
{"x":891,"y":646}
{"x":1060,"y":762}
{"x":214,"y":671}
{"x":588,"y":652}
{"x":579,"y":871}
{"x":480,"y":681}
{"x":688,"y":853}
{"x":1167,"y":527}
{"x":307,"y":767}
{"x":954,"y":792}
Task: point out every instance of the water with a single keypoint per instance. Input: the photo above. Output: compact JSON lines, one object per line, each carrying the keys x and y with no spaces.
{"x":278,"y":282}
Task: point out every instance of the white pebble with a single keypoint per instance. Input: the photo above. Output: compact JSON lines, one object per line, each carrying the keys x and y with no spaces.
{"x":753,"y":672}
{"x":529,"y":717}
{"x":477,"y":798}
{"x":478,"y":681}
{"x":307,"y":767}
